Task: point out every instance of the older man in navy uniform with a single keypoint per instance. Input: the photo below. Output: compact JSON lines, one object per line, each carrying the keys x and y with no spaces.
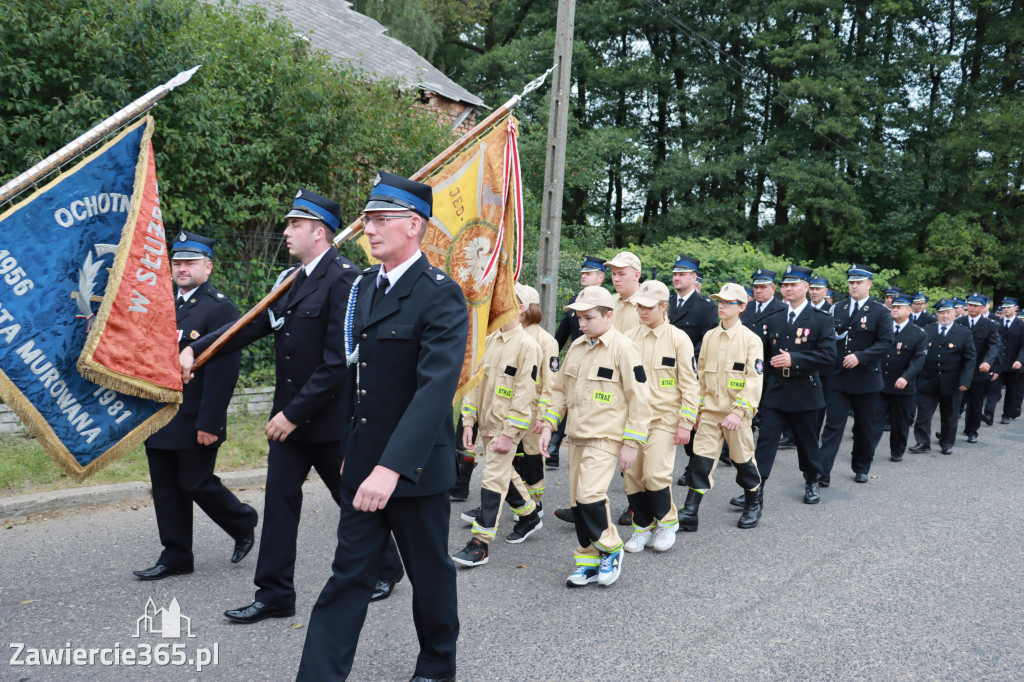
{"x":988,"y":346}
{"x":182,"y":455}
{"x":863,"y":333}
{"x":763,"y":287}
{"x":308,"y":414}
{"x":798,"y":344}
{"x":406,"y":339}
{"x":900,"y":369}
{"x":947,"y":373}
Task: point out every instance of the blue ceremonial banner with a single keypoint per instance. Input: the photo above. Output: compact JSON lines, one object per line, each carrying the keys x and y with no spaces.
{"x":57,"y":250}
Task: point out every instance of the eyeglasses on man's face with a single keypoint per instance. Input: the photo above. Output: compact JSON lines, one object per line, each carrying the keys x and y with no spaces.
{"x":379,"y":221}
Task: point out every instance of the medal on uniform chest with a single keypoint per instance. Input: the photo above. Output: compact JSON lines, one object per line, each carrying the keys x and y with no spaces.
{"x":898,"y":347}
{"x":864,"y":322}
{"x":952,"y":345}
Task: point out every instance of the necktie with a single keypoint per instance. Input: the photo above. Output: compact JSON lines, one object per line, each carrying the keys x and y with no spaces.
{"x":792,"y":318}
{"x":942,"y":331}
{"x":181,"y":301}
{"x":895,"y":330}
{"x":760,"y":308}
{"x":382,"y":287}
{"x":293,"y":291}
{"x":853,"y":310}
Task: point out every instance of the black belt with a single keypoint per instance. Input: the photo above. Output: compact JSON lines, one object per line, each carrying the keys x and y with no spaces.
{"x":789,"y":373}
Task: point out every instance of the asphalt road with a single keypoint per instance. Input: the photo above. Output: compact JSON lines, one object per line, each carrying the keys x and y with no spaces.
{"x":915,"y":575}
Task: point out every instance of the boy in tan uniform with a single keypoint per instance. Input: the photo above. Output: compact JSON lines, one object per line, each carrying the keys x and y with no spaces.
{"x":667,"y":355}
{"x":529,"y":460}
{"x":500,"y":405}
{"x":603,"y":384}
{"x":730,"y":370}
{"x":626,"y":280}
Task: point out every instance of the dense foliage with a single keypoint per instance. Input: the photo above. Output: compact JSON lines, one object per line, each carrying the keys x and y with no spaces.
{"x":888,"y":132}
{"x":264,"y":115}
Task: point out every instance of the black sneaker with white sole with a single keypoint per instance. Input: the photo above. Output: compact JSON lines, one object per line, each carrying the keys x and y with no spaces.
{"x":473,"y":554}
{"x":524,"y":528}
{"x":470,"y":516}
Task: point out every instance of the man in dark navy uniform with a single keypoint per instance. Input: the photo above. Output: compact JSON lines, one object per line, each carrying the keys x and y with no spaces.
{"x":988,"y":346}
{"x":889,"y":294}
{"x":1011,"y":330}
{"x":919,"y":314}
{"x":307,"y":420}
{"x":687,"y":309}
{"x":900,"y":369}
{"x":798,"y":343}
{"x":946,"y":376}
{"x":816,"y":293}
{"x":182,"y":455}
{"x":863,"y":336}
{"x":406,"y":342}
{"x":763,"y":286}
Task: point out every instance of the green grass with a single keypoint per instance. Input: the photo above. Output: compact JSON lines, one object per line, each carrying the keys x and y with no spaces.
{"x":26,"y":468}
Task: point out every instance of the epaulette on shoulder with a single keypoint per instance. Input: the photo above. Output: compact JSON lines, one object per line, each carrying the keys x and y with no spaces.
{"x":216,"y":295}
{"x":820,"y":310}
{"x":777,"y":311}
{"x":436,"y":275}
{"x":343,"y":263}
{"x":372,"y":269}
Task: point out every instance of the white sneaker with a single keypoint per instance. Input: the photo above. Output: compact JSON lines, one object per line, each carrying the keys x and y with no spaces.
{"x":664,"y":538}
{"x":611,"y":566}
{"x":640,"y":539}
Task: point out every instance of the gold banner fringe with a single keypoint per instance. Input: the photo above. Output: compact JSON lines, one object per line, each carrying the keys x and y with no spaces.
{"x":102,"y":375}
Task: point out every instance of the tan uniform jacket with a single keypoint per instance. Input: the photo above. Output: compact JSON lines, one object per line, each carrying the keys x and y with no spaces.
{"x":548,"y":364}
{"x":501,"y":403}
{"x":667,"y":354}
{"x":730,"y":368}
{"x":626,"y":317}
{"x":604,"y":385}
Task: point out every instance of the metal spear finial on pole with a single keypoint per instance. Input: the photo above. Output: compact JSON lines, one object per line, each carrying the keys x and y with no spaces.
{"x":83,"y":142}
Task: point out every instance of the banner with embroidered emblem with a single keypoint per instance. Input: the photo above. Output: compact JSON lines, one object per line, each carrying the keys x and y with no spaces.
{"x":477,"y":203}
{"x":69,"y":246}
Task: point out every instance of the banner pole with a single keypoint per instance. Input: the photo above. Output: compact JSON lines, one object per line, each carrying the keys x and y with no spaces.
{"x":353,"y":230}
{"x":84,"y":142}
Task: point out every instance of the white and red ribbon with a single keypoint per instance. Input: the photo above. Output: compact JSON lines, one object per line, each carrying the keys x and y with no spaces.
{"x":512,"y":174}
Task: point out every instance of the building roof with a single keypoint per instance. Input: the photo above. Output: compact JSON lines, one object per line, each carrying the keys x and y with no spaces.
{"x":348,"y":36}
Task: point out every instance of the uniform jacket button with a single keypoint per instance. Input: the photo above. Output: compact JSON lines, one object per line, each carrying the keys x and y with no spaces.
{"x":363,"y":335}
{"x":419,"y":470}
{"x":362,"y":420}
{"x":362,"y":391}
{"x":362,"y":365}
{"x":392,"y":332}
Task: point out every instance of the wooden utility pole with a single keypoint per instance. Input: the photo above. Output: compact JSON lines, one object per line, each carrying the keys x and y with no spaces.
{"x":554,"y":167}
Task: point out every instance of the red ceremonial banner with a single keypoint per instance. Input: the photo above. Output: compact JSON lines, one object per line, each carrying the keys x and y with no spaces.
{"x":132,"y":347}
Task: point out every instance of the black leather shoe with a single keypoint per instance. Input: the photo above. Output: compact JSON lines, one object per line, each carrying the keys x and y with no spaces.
{"x":824,"y":481}
{"x":896,"y":458}
{"x":257,"y":611}
{"x":159,"y":572}
{"x":787,"y":443}
{"x":1004,"y":420}
{"x":917,"y":447}
{"x":987,"y":419}
{"x":420,"y":678}
{"x":811,"y":493}
{"x":973,"y":438}
{"x":567,"y":515}
{"x":384,"y":588}
{"x":861,"y":478}
{"x":947,"y":449}
{"x":243,"y":547}
{"x":682,"y":481}
{"x":552,"y":461}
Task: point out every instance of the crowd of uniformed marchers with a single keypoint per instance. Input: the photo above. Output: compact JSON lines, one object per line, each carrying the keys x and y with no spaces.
{"x":732,"y":378}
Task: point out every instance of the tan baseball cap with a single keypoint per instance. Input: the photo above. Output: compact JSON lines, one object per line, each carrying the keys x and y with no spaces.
{"x":731,"y":292}
{"x":591,"y":297}
{"x":651,"y":293}
{"x":625,"y":259}
{"x":527,"y":294}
